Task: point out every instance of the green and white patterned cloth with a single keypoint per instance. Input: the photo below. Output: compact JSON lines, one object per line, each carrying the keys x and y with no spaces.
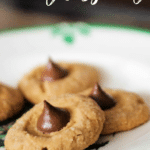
{"x":3,"y":132}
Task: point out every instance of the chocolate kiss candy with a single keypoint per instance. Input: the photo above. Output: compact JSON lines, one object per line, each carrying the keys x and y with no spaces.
{"x":104,"y":100}
{"x":53,"y":72}
{"x":52,"y":119}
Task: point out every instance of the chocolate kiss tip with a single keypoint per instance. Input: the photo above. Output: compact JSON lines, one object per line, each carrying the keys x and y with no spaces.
{"x":46,"y":103}
{"x":104,"y":100}
{"x":52,"y":119}
{"x":53,"y":72}
{"x":50,"y":60}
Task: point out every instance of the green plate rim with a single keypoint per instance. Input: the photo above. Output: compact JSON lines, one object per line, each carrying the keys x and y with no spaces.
{"x":94,"y":25}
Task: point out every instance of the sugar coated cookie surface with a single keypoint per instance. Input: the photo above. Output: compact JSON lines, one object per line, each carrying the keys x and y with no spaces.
{"x":129,"y":111}
{"x":11,"y":102}
{"x":83,"y":129}
{"x":76,"y":77}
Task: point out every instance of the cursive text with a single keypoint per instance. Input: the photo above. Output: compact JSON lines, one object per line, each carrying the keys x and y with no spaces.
{"x":93,"y":2}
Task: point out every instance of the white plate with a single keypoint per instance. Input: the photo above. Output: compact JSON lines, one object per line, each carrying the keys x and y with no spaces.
{"x":121,"y":55}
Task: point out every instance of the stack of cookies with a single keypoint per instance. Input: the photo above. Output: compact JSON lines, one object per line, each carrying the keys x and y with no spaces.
{"x":71,"y":110}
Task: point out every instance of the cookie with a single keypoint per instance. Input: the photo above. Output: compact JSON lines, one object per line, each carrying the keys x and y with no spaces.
{"x":123,"y":110}
{"x":55,"y":79}
{"x":67,"y":122}
{"x":11,"y":102}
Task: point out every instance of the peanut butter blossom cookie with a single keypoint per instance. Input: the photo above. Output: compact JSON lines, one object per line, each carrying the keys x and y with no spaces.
{"x":123,"y":110}
{"x":11,"y":102}
{"x":56,"y":79}
{"x":68,"y":122}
